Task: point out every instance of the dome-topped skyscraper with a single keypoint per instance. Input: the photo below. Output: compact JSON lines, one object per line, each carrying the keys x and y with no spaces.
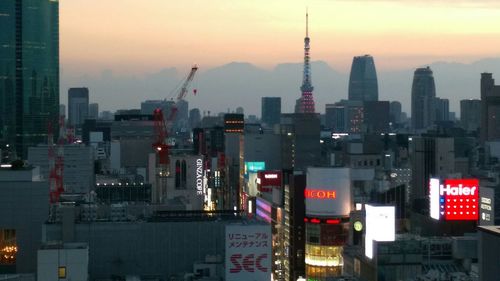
{"x":423,"y":94}
{"x":363,"y":85}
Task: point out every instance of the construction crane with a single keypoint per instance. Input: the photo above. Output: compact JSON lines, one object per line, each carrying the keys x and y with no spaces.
{"x":162,"y":126}
{"x":56,"y":162}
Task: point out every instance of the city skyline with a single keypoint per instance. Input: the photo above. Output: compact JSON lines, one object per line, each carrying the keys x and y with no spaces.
{"x":113,"y":54}
{"x":224,"y":32}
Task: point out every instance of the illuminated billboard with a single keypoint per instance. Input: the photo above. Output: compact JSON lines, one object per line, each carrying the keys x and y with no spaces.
{"x":454,"y":199}
{"x":254,"y":167}
{"x":269,"y":179}
{"x":328,"y":192}
{"x":487,"y":206}
{"x":380,"y":226}
{"x":248,"y":252}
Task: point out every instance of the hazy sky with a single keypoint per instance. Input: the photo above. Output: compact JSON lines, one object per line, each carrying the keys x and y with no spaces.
{"x":137,"y":36}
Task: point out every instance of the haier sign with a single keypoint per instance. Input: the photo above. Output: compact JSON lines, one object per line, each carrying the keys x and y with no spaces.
{"x":454,"y":199}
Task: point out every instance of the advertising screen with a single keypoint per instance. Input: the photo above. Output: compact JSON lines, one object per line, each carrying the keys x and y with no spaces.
{"x":454,"y":199}
{"x":268,"y":179}
{"x":487,"y":206}
{"x":248,"y":252}
{"x":328,"y":192}
{"x":254,"y":167}
{"x":380,"y":226}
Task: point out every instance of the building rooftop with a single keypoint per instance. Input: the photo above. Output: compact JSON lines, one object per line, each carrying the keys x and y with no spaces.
{"x":493,"y":229}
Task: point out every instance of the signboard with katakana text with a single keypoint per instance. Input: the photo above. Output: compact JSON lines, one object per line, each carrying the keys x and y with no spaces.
{"x":248,"y":252}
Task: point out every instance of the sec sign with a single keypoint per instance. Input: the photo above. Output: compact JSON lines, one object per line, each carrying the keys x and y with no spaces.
{"x":248,"y":252}
{"x":454,"y":199}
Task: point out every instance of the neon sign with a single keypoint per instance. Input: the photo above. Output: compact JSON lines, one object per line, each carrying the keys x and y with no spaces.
{"x":455,"y":199}
{"x":319,"y":194}
{"x":199,"y":176}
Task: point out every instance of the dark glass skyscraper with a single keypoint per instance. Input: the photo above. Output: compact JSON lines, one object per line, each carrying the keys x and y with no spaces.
{"x":29,"y":71}
{"x":363,"y":85}
{"x":271,"y":110}
{"x":423,"y":94}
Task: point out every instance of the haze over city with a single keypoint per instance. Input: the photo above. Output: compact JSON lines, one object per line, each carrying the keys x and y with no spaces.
{"x":139,"y":43}
{"x":249,"y":140}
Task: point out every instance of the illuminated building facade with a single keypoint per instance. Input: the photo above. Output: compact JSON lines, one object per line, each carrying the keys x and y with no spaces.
{"x":327,"y":207}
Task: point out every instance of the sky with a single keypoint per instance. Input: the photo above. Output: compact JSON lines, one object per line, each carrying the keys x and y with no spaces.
{"x":140,"y":36}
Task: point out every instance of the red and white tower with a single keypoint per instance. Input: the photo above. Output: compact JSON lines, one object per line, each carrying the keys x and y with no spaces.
{"x":306,"y":100}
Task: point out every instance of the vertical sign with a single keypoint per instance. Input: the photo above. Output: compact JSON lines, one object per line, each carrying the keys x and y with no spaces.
{"x":487,"y":206}
{"x":248,"y":252}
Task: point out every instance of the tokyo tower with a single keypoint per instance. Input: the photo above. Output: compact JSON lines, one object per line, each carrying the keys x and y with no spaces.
{"x":306,"y":101}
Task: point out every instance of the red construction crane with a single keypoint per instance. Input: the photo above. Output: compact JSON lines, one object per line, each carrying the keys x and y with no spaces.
{"x":161,"y":125}
{"x":56,"y":162}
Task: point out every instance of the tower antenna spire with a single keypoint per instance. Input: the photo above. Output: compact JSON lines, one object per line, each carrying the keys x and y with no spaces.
{"x":307,"y":22}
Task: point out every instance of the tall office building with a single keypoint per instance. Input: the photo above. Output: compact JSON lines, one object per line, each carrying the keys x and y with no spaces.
{"x":306,"y":101}
{"x":29,"y":71}
{"x":194,"y":118}
{"x":470,"y":114}
{"x":395,"y":111}
{"x":78,"y":106}
{"x":299,"y":143}
{"x":94,"y":111}
{"x":335,"y":117}
{"x":62,"y":110}
{"x":376,"y":116}
{"x":430,"y":157}
{"x":423,"y":94}
{"x":490,"y":108}
{"x":363,"y":85}
{"x":442,"y":107}
{"x":271,"y":110}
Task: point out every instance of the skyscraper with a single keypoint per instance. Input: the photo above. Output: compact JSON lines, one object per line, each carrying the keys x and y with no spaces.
{"x":363,"y":85}
{"x":395,"y":111}
{"x":306,"y":100}
{"x":78,"y":106}
{"x":442,"y":107}
{"x":423,"y":94}
{"x":470,"y":114}
{"x":271,"y":110}
{"x":29,"y":72}
{"x":94,"y":111}
{"x":490,"y":108}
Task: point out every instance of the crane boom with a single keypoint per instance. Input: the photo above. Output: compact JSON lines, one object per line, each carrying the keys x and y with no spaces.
{"x":184,"y":89}
{"x":162,"y":124}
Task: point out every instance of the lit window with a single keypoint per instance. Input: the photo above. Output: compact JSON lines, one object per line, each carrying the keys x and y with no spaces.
{"x":61,"y":273}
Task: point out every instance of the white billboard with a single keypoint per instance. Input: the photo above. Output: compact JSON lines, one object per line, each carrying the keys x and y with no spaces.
{"x":328,"y":192}
{"x":248,"y":252}
{"x":380,"y":226}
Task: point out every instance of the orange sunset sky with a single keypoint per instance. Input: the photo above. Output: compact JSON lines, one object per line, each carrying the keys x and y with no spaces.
{"x":134,"y":36}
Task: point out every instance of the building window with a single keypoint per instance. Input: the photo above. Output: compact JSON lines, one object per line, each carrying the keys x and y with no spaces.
{"x":61,"y":272}
{"x":177,"y":174}
{"x":183,"y":174}
{"x":8,"y":247}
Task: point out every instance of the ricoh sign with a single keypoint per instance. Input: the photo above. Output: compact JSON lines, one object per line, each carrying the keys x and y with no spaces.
{"x":454,"y":199}
{"x":328,"y":192}
{"x":320,"y":194}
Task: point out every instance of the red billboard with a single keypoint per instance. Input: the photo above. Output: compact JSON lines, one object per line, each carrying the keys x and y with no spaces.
{"x":455,"y":199}
{"x":268,"y":179}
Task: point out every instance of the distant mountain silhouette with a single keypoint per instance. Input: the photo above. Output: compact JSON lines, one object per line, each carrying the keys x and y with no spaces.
{"x":243,"y":84}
